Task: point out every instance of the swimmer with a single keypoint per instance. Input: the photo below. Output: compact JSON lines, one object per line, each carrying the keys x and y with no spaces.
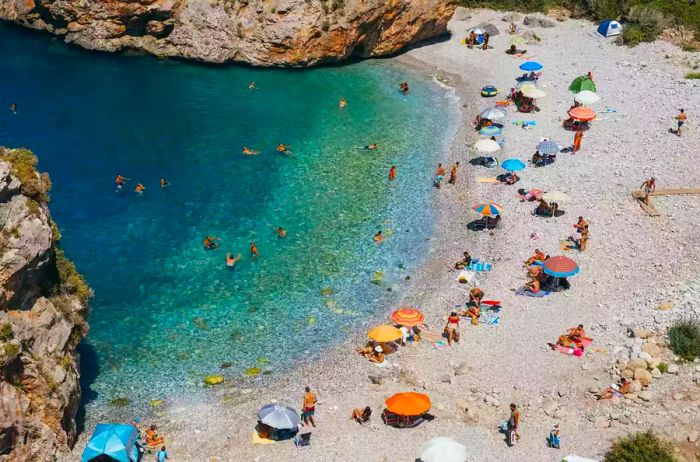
{"x":342,"y":103}
{"x":231,"y":260}
{"x":164,"y":183}
{"x":372,"y":147}
{"x":392,"y":173}
{"x":210,"y":242}
{"x":378,"y":238}
{"x":119,"y":180}
{"x":13,"y":108}
{"x":281,"y":232}
{"x":403,"y":87}
{"x":253,"y":251}
{"x":139,"y":189}
{"x":282,"y":149}
{"x":251,"y":86}
{"x":250,"y":152}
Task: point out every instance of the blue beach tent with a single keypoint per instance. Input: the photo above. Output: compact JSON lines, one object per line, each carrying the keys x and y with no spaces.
{"x":112,"y":443}
{"x":608,"y":28}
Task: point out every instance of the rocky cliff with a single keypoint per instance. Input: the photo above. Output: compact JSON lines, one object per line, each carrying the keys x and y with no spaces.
{"x":43,"y":304}
{"x":258,"y":32}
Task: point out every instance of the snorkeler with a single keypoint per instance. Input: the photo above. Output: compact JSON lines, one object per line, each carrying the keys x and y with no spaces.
{"x":249,"y":152}
{"x":210,"y":242}
{"x":378,"y":238}
{"x":13,"y":108}
{"x":253,"y":251}
{"x":139,"y":189}
{"x":342,"y":103}
{"x":164,"y":183}
{"x":281,"y":232}
{"x":231,"y":260}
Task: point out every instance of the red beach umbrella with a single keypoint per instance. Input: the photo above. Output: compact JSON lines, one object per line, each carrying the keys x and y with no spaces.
{"x":583,"y":114}
{"x":408,"y":317}
{"x":560,"y":266}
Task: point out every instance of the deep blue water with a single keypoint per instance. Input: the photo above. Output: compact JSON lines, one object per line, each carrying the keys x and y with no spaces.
{"x":166,"y":311}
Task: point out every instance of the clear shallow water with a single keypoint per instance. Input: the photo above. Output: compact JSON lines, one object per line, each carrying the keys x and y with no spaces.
{"x":165,"y":311}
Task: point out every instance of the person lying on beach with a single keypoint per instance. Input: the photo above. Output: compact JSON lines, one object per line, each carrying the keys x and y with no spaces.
{"x":617,"y":391}
{"x":378,"y":238}
{"x":512,"y":178}
{"x":361,"y":415}
{"x":475,"y":296}
{"x":474,"y":312}
{"x":537,"y":256}
{"x":464,"y":262}
{"x":249,"y":152}
{"x":231,"y":260}
{"x":377,"y":355}
{"x":533,"y":286}
{"x":514,"y":51}
{"x":210,"y":242}
{"x":529,"y":196}
{"x":153,"y":438}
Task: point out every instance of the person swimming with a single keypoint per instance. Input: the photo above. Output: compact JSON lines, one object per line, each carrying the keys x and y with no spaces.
{"x":342,"y":103}
{"x":378,"y":238}
{"x":392,"y":173}
{"x":164,"y":183}
{"x":253,"y":251}
{"x":251,"y":86}
{"x":231,"y":260}
{"x":249,"y":152}
{"x":403,"y":87}
{"x":139,"y":189}
{"x":120,"y":180}
{"x":282,"y":149}
{"x":372,"y":147}
{"x":281,"y":232}
{"x":13,"y":108}
{"x":210,"y":242}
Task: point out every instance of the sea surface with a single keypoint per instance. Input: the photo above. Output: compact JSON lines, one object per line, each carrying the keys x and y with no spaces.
{"x":167,"y":312}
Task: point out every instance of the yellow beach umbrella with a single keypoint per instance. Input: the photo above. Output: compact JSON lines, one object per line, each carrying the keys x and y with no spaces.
{"x":384,"y":334}
{"x":532,"y":92}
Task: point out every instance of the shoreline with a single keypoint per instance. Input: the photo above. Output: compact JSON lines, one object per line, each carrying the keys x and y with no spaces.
{"x":505,"y":363}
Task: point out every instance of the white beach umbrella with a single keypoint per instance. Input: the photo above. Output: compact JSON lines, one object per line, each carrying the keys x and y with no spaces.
{"x":523,"y":85}
{"x":575,"y":458}
{"x":442,"y":449}
{"x":476,"y":30}
{"x":278,"y":416}
{"x":586,"y":97}
{"x":532,"y":92}
{"x":493,"y":113}
{"x":487,"y":146}
{"x":556,"y":196}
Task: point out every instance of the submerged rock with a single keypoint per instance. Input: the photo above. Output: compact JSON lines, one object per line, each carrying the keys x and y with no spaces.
{"x":213,"y":379}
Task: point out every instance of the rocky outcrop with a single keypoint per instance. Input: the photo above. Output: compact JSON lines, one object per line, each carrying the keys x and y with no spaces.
{"x":258,"y":32}
{"x":43,"y":304}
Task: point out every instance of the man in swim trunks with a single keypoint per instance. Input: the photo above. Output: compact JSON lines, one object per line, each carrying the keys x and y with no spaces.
{"x":475,"y":296}
{"x":378,"y":238}
{"x":210,"y":242}
{"x":649,"y":186}
{"x":231,"y":260}
{"x":392,"y":173}
{"x":308,"y":408}
{"x":584,"y":239}
{"x":253,"y":251}
{"x":681,"y":118}
{"x":281,"y":232}
{"x":139,"y":189}
{"x":576,"y":334}
{"x":538,"y":256}
{"x":164,"y":183}
{"x":453,"y":173}
{"x":249,"y":152}
{"x":439,"y":175}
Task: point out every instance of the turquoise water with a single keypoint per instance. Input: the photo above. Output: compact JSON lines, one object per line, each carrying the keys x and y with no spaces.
{"x":166,"y":312}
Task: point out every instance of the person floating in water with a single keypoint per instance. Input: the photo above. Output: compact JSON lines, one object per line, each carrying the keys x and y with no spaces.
{"x":283,"y":149}
{"x":210,"y":242}
{"x":253,"y":251}
{"x":378,"y":238}
{"x":119,"y":181}
{"x":139,"y":189}
{"x":250,"y":152}
{"x":164,"y":183}
{"x":403,"y":87}
{"x":372,"y":147}
{"x":231,"y":260}
{"x":342,"y":103}
{"x":251,"y":86}
{"x":13,"y":108}
{"x":281,"y":232}
{"x":392,"y":173}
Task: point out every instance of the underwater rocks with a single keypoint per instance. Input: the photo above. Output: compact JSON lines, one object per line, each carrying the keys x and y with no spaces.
{"x":42,"y":319}
{"x":258,"y":32}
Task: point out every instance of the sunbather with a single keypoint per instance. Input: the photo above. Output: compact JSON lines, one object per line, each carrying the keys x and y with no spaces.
{"x":474,"y":312}
{"x":475,"y":296}
{"x":545,"y":209}
{"x":617,"y":391}
{"x":533,"y":286}
{"x":361,"y":415}
{"x":538,"y":256}
{"x":153,"y":439}
{"x":512,"y":178}
{"x":464,"y":262}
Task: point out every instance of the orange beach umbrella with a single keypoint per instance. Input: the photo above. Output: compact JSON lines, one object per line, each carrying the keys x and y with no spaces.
{"x":408,"y":404}
{"x":583,"y":114}
{"x":384,"y":334}
{"x":408,"y":317}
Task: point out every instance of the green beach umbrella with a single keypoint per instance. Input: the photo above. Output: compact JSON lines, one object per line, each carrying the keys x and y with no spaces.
{"x":582,"y":83}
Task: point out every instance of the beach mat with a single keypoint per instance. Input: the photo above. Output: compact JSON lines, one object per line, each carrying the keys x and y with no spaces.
{"x":479,"y":266}
{"x":258,"y":440}
{"x":440,"y":345}
{"x":487,"y":180}
{"x":540,"y":294}
{"x":430,"y":335}
{"x":490,"y":319}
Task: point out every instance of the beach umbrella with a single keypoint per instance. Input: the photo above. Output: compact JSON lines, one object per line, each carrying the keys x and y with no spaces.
{"x":548,"y":147}
{"x":517,"y":40}
{"x":575,"y":458}
{"x":586,"y":97}
{"x":384,"y":334}
{"x":583,"y":114}
{"x":278,"y":416}
{"x":476,"y":30}
{"x":560,"y":267}
{"x":523,"y":85}
{"x":488,"y":209}
{"x":532,"y":92}
{"x":530,"y":66}
{"x":493,"y":113}
{"x":442,"y":449}
{"x":582,"y":83}
{"x":408,"y":317}
{"x":408,"y":403}
{"x":491,"y":130}
{"x":487,"y":146}
{"x":513,"y":165}
{"x":555,"y":196}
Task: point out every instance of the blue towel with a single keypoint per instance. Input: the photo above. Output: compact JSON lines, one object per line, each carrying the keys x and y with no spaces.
{"x":490,"y":319}
{"x":540,"y":294}
{"x":525,"y":123}
{"x":477,"y":265}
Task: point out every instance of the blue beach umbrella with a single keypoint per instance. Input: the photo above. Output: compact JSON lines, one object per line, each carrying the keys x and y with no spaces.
{"x":513,"y":165}
{"x":530,"y":66}
{"x":548,"y":147}
{"x":116,"y":441}
{"x":491,"y":130}
{"x":560,"y":267}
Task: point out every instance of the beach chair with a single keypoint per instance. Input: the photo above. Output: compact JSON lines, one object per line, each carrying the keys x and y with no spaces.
{"x":302,"y":439}
{"x":390,"y":419}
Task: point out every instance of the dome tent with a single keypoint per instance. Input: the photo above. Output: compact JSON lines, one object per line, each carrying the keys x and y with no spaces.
{"x":608,"y":28}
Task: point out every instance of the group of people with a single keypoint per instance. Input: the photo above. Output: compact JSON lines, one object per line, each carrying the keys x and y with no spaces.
{"x":120,"y":180}
{"x":213,"y":242}
{"x":440,"y":174}
{"x":472,"y":40}
{"x":151,"y":440}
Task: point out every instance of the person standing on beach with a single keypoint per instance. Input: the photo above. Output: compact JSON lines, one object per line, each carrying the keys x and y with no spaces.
{"x":577,"y":140}
{"x":513,"y":424}
{"x":681,"y":118}
{"x":649,"y":186}
{"x":485,"y":46}
{"x":308,"y":408}
{"x":439,"y":175}
{"x":453,"y":173}
{"x":392,"y":173}
{"x":452,"y":328}
{"x":471,"y":40}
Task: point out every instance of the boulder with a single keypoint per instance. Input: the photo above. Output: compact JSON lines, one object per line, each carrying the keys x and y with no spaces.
{"x":627,"y":373}
{"x":549,"y":407}
{"x":656,"y":373}
{"x":535,"y":21}
{"x":672,"y":369}
{"x":461,"y":14}
{"x":635,"y":386}
{"x":213,"y":379}
{"x":462,"y":369}
{"x":637,"y":364}
{"x":643,"y":375}
{"x":640,"y":332}
{"x":511,"y":17}
{"x":645,"y":395}
{"x":531,"y":37}
{"x":601,"y":422}
{"x":693,"y":436}
{"x":653,"y":349}
{"x":645,"y":356}
{"x":489,"y":28}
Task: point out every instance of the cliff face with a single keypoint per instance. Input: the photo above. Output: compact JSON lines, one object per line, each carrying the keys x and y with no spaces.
{"x":43,"y":304}
{"x":258,"y":32}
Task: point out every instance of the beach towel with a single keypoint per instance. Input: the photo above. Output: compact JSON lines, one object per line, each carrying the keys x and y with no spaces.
{"x":258,"y":440}
{"x":527,"y":293}
{"x":440,"y":345}
{"x":608,"y":110}
{"x":490,"y":319}
{"x":479,"y":266}
{"x":525,"y":123}
{"x":487,"y":180}
{"x":466,"y":277}
{"x":493,"y":304}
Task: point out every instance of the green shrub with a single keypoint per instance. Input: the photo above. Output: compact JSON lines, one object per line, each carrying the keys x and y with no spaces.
{"x":663,"y":367}
{"x":632,"y":35}
{"x":70,"y":280}
{"x":24,"y":163}
{"x":640,"y":447}
{"x":684,"y":338}
{"x":10,"y":351}
{"x":606,"y":9}
{"x":692,"y":75}
{"x":6,"y":333}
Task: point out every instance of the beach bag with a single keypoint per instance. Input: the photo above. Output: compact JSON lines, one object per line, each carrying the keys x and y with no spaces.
{"x":475,"y":321}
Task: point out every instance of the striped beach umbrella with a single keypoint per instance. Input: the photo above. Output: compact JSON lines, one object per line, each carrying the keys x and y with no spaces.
{"x":408,"y":317}
{"x":513,"y":165}
{"x":583,"y":114}
{"x":489,"y":210}
{"x":491,"y":130}
{"x":548,"y":147}
{"x":560,"y":266}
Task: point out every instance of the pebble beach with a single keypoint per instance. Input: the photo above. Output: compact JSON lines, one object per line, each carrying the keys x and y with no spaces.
{"x":638,"y":274}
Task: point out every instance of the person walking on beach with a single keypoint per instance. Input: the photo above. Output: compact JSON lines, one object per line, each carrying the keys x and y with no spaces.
{"x":308,"y":408}
{"x":649,"y":186}
{"x":439,"y":175}
{"x":584,"y":239}
{"x":452,"y":328}
{"x":513,"y":425}
{"x":577,"y":140}
{"x":392,"y":173}
{"x":453,"y":173}
{"x":471,"y":40}
{"x":253,"y":251}
{"x":485,"y":46}
{"x":681,"y":118}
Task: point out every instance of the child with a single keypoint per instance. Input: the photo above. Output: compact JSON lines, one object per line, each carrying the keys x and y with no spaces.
{"x":553,"y":439}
